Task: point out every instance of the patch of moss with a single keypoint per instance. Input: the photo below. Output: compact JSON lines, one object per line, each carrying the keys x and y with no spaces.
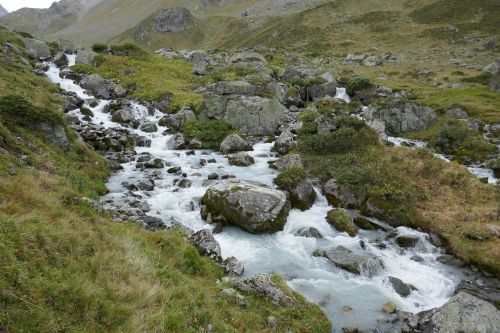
{"x":342,"y":222}
{"x":210,"y":132}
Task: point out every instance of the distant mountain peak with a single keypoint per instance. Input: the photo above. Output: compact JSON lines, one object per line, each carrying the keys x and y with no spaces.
{"x":3,"y":11}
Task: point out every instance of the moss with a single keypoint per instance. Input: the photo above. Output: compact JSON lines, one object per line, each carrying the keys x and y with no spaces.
{"x":342,"y":222}
{"x":289,"y":177}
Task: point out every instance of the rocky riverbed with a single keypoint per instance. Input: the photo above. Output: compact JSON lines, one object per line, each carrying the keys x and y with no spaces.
{"x":373,"y":281}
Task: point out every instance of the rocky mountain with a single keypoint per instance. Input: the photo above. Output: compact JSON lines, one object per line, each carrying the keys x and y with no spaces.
{"x":3,"y":11}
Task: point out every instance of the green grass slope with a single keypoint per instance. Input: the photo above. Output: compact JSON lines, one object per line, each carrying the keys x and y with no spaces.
{"x":67,"y":267}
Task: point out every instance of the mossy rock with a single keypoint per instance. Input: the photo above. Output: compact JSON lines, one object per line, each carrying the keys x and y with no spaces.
{"x":342,"y":222}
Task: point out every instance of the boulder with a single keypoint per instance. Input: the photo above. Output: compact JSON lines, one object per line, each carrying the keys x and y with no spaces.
{"x":119,"y":91}
{"x":462,"y":313}
{"x":406,"y":241}
{"x":36,"y":49}
{"x":124,"y":117}
{"x":263,"y":285}
{"x":149,"y":127}
{"x":233,"y":296}
{"x":309,"y":233}
{"x":342,"y":197}
{"x":95,"y":84}
{"x":233,"y":143}
{"x":232,"y":266}
{"x":236,"y":88}
{"x":482,"y":289}
{"x":55,"y":133}
{"x":361,"y":264}
{"x":302,"y":195}
{"x":458,"y":113}
{"x":342,"y":222}
{"x":403,"y":289}
{"x":253,"y":207}
{"x":253,"y":115}
{"x":172,"y":20}
{"x":61,"y":59}
{"x":285,"y":142}
{"x":241,"y":159}
{"x":85,"y":57}
{"x":177,"y":142}
{"x":288,"y":161}
{"x":320,"y":91}
{"x":206,"y":244}
{"x":178,"y":120}
{"x":372,"y":61}
{"x":402,"y":117}
{"x":492,"y":68}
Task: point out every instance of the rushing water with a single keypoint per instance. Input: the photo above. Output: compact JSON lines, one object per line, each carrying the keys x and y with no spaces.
{"x":283,"y":252}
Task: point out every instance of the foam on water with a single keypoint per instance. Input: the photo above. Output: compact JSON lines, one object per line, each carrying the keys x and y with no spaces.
{"x":283,"y":252}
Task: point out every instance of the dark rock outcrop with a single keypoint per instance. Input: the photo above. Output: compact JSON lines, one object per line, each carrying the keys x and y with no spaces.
{"x":172,"y":20}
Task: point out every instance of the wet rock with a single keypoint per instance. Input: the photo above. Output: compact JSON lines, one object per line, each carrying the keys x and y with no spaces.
{"x":172,"y":20}
{"x":61,"y":59}
{"x":342,"y":222}
{"x":288,"y":161}
{"x":36,"y":49}
{"x":177,"y":142}
{"x":177,"y":120}
{"x":253,"y":207}
{"x":149,"y":127}
{"x":174,"y":170}
{"x":232,"y":295}
{"x":241,"y":159}
{"x":417,"y":258}
{"x":213,"y":176}
{"x":389,"y":308}
{"x":95,"y":84}
{"x":206,"y":244}
{"x":232,"y":266}
{"x":154,"y":164}
{"x":308,"y":232}
{"x":146,"y":185}
{"x":341,"y":197}
{"x":195,"y":144}
{"x":450,"y":260}
{"x":350,"y":329}
{"x":184,"y":183}
{"x":365,"y":263}
{"x":262,"y":284}
{"x":233,"y":143}
{"x":403,"y":289}
{"x":406,"y":241}
{"x":462,"y":313}
{"x":364,"y":223}
{"x":302,"y":195}
{"x":486,"y":290}
{"x":285,"y":142}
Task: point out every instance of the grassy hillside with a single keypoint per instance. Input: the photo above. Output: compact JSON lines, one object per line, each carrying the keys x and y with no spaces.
{"x":67,"y":267}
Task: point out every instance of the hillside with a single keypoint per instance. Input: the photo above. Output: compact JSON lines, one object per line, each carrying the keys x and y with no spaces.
{"x":3,"y":11}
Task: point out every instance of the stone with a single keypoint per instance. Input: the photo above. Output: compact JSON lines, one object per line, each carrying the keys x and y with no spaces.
{"x":482,"y":289}
{"x":342,"y":222}
{"x":285,"y":142}
{"x":458,"y":113}
{"x":320,"y":91}
{"x":462,"y":313}
{"x":85,"y":57}
{"x":124,"y":116}
{"x":309,"y":232}
{"x":94,"y":83}
{"x":492,"y":68}
{"x":232,"y":295}
{"x":233,"y":143}
{"x":251,"y":206}
{"x":232,"y":266}
{"x":119,"y":91}
{"x":177,"y":142}
{"x":149,"y":127}
{"x":364,"y":223}
{"x":341,"y":197}
{"x":406,"y":241}
{"x":272,"y":323}
{"x":402,"y":117}
{"x":36,"y":49}
{"x":241,"y":159}
{"x":389,"y":308}
{"x":172,"y":20}
{"x":153,"y":223}
{"x":55,"y":133}
{"x":61,"y":59}
{"x":195,"y":144}
{"x":262,"y":284}
{"x":372,"y":61}
{"x":361,"y":264}
{"x":288,"y":161}
{"x":206,"y":244}
{"x":302,"y":195}
{"x":178,"y":120}
{"x":403,"y":289}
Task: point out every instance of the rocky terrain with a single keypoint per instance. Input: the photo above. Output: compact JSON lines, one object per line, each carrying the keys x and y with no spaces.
{"x":246,"y":182}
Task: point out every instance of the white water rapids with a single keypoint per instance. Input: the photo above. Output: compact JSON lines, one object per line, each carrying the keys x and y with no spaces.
{"x":283,"y":252}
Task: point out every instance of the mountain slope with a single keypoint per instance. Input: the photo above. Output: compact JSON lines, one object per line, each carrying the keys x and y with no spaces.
{"x":3,"y":11}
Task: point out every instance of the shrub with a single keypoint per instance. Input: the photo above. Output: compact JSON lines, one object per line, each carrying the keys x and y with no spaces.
{"x":290,"y":177}
{"x":99,"y":48}
{"x":129,"y":50}
{"x":210,"y":132}
{"x":357,"y":84}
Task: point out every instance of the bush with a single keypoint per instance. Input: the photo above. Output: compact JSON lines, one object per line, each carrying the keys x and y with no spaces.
{"x":211,"y":132}
{"x":18,"y":111}
{"x":99,"y":48}
{"x":357,"y":84}
{"x":129,"y":50}
{"x":342,"y":222}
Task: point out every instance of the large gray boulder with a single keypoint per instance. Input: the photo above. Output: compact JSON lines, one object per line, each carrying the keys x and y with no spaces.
{"x":61,"y":59}
{"x":320,"y":91}
{"x":178,"y":120}
{"x":358,"y":263}
{"x":302,"y":195}
{"x":462,"y":313}
{"x":241,"y":159}
{"x":402,"y":117}
{"x":206,"y":244}
{"x":36,"y":49}
{"x":342,"y":197}
{"x":95,"y":84}
{"x":285,"y":142}
{"x":172,"y":20}
{"x":85,"y":57}
{"x":236,"y":88}
{"x":56,"y":133}
{"x":288,"y":161}
{"x":253,"y":207}
{"x":262,"y":284}
{"x":233,"y":143}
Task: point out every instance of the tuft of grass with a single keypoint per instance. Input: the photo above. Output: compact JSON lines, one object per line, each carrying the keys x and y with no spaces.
{"x":342,"y":222}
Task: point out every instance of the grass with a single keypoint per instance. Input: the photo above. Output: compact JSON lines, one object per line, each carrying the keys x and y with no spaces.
{"x":150,"y":77}
{"x":67,"y":267}
{"x":211,"y":133}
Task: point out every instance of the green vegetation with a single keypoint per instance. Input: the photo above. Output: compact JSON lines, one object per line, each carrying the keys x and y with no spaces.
{"x":453,"y":137}
{"x":290,"y":177}
{"x":99,"y":48}
{"x":210,"y":132}
{"x":67,"y":268}
{"x":149,"y":76}
{"x":357,"y":84}
{"x":342,"y":222}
